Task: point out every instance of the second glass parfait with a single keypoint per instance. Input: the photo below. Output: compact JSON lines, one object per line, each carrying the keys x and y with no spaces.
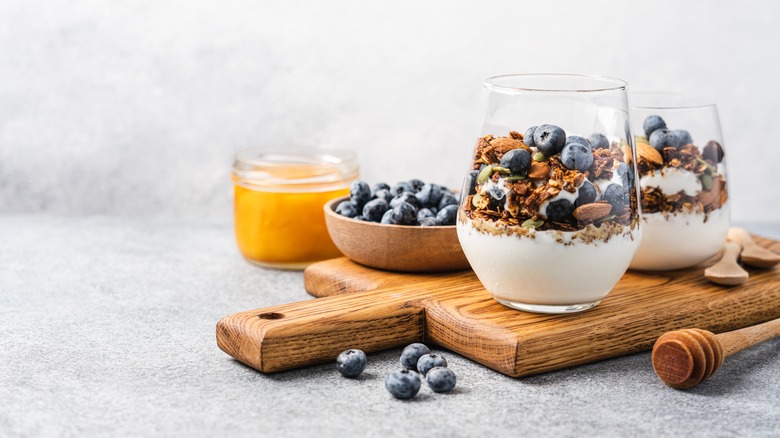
{"x":682,"y":181}
{"x":549,"y":220}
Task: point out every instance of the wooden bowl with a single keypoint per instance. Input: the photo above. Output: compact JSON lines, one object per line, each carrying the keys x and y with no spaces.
{"x":395,"y":247}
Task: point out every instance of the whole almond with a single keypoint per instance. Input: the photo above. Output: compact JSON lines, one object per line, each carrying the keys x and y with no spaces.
{"x":592,"y":212}
{"x":539,"y":170}
{"x":649,"y":153}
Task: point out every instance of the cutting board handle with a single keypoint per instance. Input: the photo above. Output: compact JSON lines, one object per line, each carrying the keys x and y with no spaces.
{"x":314,"y":331}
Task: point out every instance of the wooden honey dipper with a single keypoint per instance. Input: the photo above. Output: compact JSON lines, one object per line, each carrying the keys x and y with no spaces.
{"x":683,"y":358}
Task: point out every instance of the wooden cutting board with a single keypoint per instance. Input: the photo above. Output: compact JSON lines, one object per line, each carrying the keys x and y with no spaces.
{"x":373,"y":310}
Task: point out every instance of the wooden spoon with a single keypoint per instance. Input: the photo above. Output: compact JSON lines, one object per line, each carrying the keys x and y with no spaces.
{"x":683,"y":358}
{"x":752,"y":254}
{"x":727,"y":271}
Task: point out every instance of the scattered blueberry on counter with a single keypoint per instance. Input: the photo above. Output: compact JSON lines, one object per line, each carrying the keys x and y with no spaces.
{"x":403,"y":203}
{"x":441,"y":379}
{"x":351,"y":363}
{"x":412,"y":353}
{"x":406,"y":383}
{"x":403,"y":384}
{"x":428,"y":361}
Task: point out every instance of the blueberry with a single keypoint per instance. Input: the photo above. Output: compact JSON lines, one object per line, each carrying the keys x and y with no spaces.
{"x":387,"y":218}
{"x":496,"y":193}
{"x":518,"y":161}
{"x":577,"y":139}
{"x":401,"y":187}
{"x":416,"y":184}
{"x":447,"y":215}
{"x":359,"y":193}
{"x":411,"y":354}
{"x":558,"y":210}
{"x":360,"y":218}
{"x":617,"y":196}
{"x":403,"y":384}
{"x":586,"y":194}
{"x":374,"y":209}
{"x":663,"y":138}
{"x":379,"y":186}
{"x":429,"y":195}
{"x":652,"y":124}
{"x":404,"y":214}
{"x":347,"y":208}
{"x":428,"y":361}
{"x":626,"y":174}
{"x":549,"y":139}
{"x":599,"y":141}
{"x":683,"y":137}
{"x":383,"y":194}
{"x":351,"y":363}
{"x":424,"y":213}
{"x":470,"y":182}
{"x":448,"y":199}
{"x":528,"y":137}
{"x":405,"y":197}
{"x":577,"y":156}
{"x":428,"y":222}
{"x":441,"y":379}
{"x":713,"y":151}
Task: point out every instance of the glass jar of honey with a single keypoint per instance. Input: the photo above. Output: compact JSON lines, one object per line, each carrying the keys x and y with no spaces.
{"x":279,"y":196}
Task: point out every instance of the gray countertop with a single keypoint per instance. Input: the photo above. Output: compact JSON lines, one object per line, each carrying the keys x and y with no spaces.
{"x":107,"y":328}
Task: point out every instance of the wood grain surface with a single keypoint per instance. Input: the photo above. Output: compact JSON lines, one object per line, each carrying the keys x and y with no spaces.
{"x":373,"y":310}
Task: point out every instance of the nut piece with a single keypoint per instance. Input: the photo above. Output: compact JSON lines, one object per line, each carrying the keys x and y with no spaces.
{"x":649,"y":153}
{"x":592,"y":212}
{"x":505,"y":144}
{"x":627,"y":157}
{"x":539,"y":170}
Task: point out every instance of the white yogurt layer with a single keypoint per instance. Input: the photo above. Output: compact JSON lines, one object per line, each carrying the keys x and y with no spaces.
{"x":680,"y":240}
{"x":544,"y":271}
{"x":671,"y":180}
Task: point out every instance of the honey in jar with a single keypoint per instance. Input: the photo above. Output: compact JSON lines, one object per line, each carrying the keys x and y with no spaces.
{"x":279,"y":199}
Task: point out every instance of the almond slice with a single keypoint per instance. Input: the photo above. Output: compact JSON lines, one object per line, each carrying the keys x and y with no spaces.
{"x":649,"y":153}
{"x":592,"y":212}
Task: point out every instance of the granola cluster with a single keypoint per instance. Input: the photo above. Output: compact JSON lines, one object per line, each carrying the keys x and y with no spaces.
{"x":555,"y":191}
{"x":659,"y":157}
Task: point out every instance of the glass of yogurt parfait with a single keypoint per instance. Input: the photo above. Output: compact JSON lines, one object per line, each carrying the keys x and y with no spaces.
{"x":682,"y":180}
{"x":549,"y":217}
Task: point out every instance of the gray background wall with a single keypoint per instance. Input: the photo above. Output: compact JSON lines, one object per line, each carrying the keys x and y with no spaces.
{"x":135,"y":108}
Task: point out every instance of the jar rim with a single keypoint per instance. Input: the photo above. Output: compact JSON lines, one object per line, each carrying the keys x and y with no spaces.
{"x":553,"y":82}
{"x":310,"y":168}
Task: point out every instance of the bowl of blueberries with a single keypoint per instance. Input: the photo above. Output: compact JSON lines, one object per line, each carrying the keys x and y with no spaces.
{"x":408,"y":227}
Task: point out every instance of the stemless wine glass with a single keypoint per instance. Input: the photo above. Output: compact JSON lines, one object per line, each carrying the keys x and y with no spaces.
{"x":682,"y":180}
{"x":549,"y":218}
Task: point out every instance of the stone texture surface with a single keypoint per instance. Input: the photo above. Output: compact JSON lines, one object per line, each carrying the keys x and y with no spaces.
{"x":107,"y":329}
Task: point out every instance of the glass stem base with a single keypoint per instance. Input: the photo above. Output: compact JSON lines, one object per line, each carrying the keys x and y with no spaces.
{"x":554,"y":309}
